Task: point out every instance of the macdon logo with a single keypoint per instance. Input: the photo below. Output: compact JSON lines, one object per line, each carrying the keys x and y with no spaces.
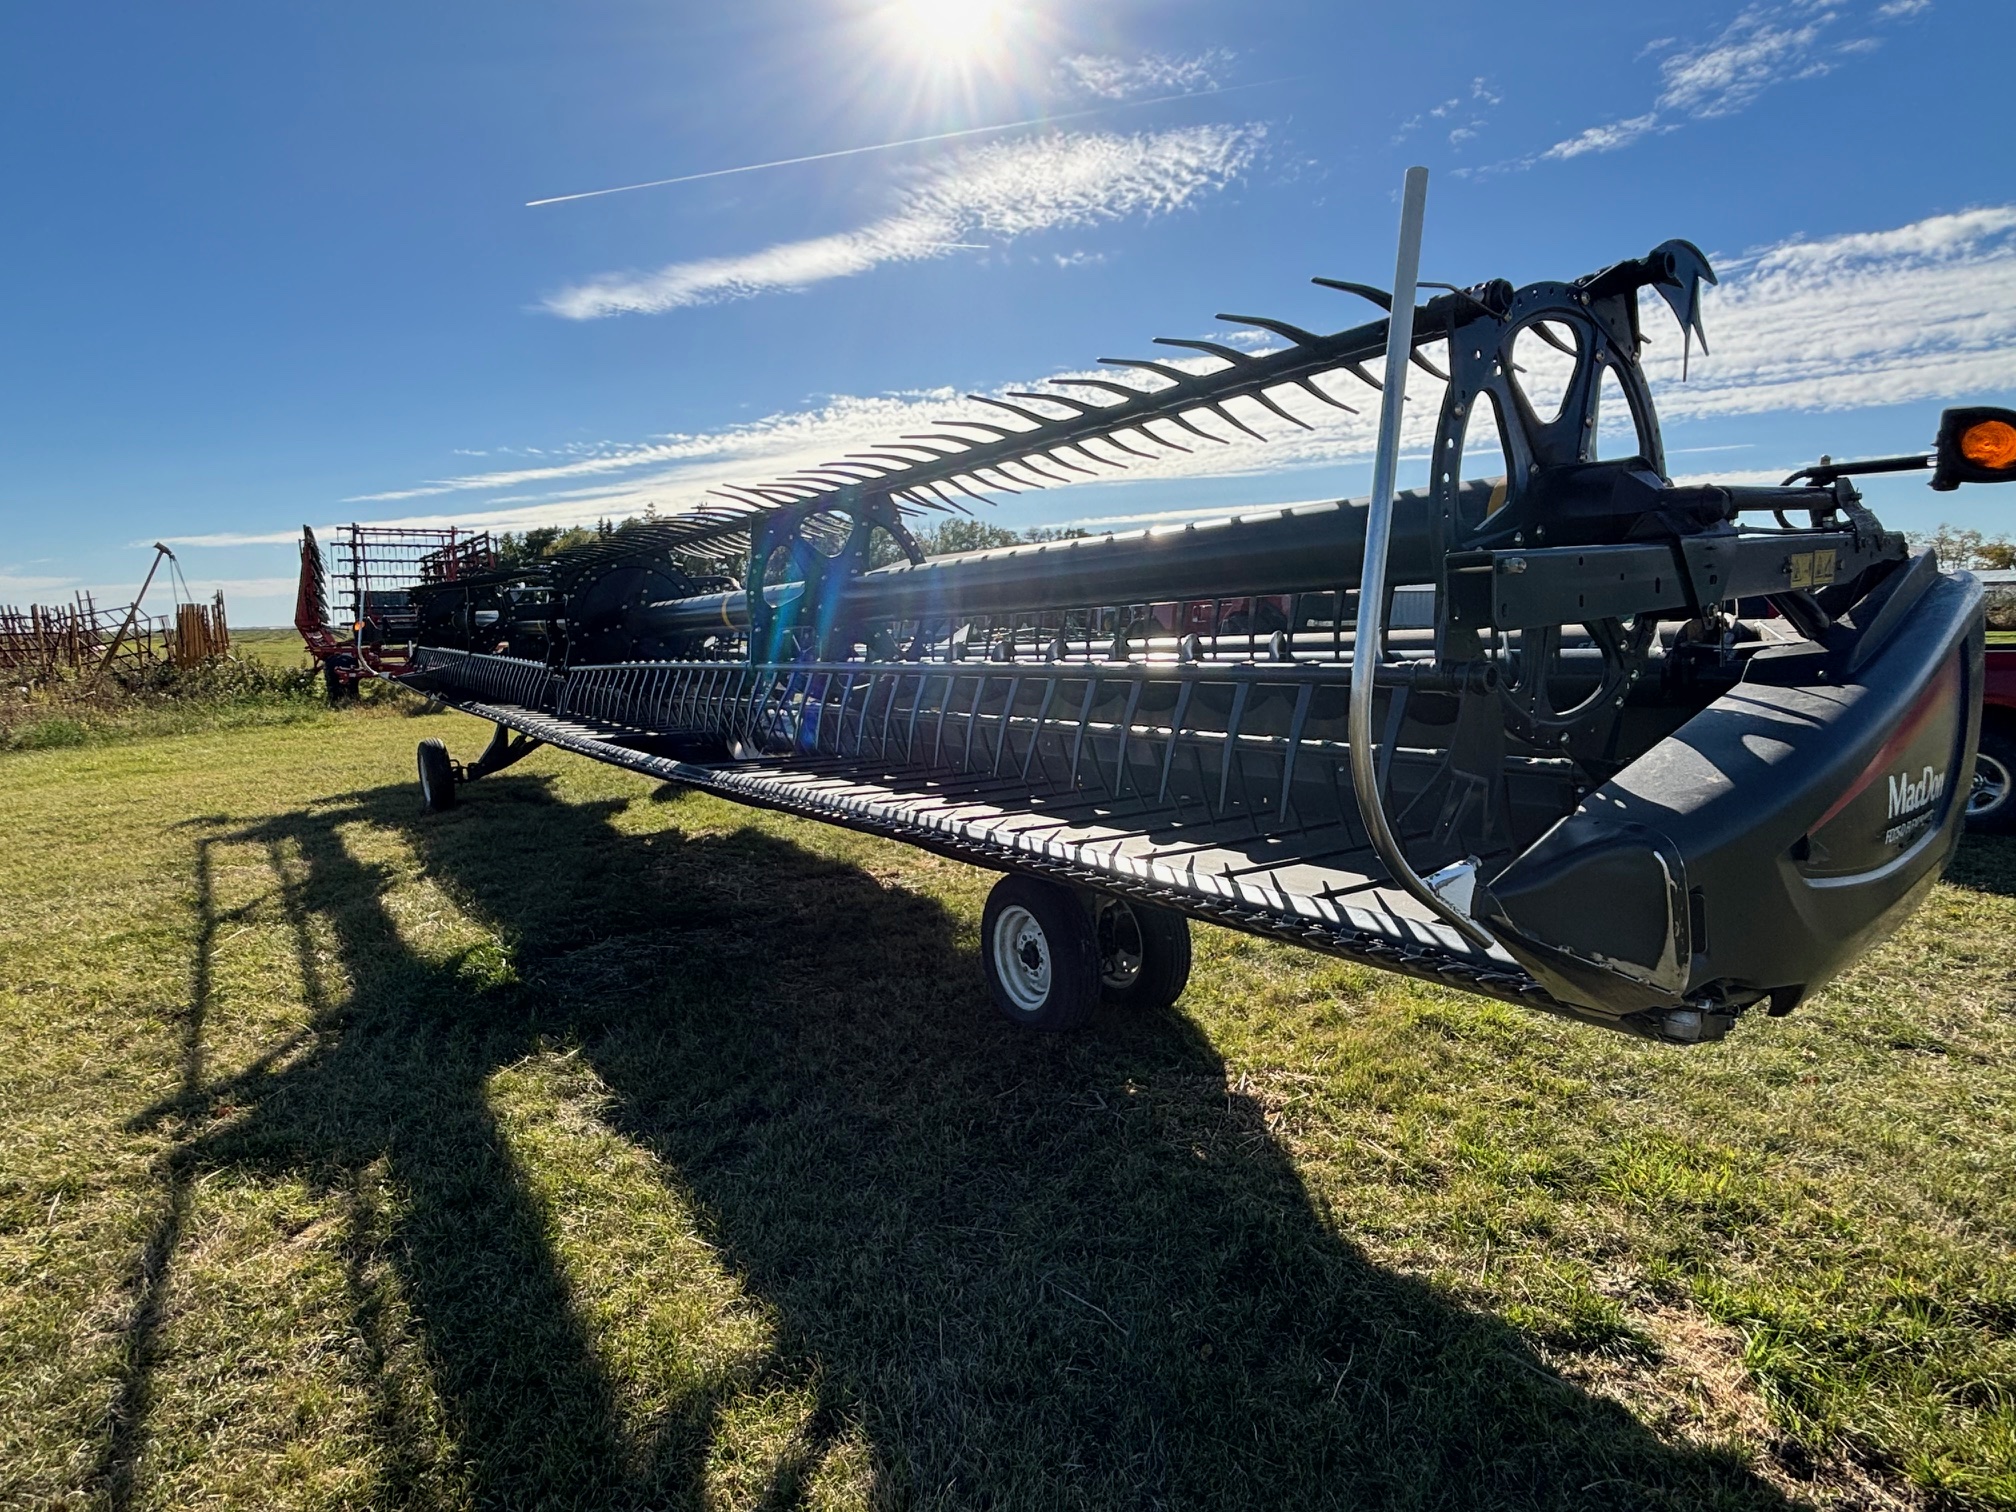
{"x":1906,"y":795}
{"x":1915,"y":798}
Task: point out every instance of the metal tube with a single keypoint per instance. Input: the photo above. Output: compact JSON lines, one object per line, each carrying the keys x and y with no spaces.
{"x":1372,"y":575}
{"x":1307,"y":549}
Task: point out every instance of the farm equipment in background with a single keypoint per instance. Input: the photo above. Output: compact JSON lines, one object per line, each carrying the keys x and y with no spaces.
{"x":1661,"y":756}
{"x":78,"y":645}
{"x":375,"y":570}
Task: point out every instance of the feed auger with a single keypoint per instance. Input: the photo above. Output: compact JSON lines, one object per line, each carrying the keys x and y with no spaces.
{"x":1652,"y":756}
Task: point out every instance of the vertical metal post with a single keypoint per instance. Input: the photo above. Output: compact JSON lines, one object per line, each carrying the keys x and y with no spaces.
{"x":1369,"y":652}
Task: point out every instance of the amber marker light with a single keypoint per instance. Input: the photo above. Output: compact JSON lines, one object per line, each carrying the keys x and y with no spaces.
{"x":1977,"y":444}
{"x":1989,"y":443}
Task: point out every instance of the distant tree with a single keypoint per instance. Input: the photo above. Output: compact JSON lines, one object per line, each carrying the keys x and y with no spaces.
{"x":526,"y":547}
{"x":1956,"y":548}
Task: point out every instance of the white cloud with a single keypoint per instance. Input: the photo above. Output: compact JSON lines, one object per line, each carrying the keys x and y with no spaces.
{"x":1750,"y":477}
{"x":1476,"y":103}
{"x":20,"y":587}
{"x":1604,"y":138}
{"x":1008,"y":190}
{"x":1749,"y":57}
{"x":1111,"y":78}
{"x":1921,"y":312}
{"x":229,"y":538}
{"x":1764,"y":46}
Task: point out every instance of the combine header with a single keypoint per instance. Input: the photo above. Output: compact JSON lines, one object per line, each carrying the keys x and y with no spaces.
{"x":1667,"y":754}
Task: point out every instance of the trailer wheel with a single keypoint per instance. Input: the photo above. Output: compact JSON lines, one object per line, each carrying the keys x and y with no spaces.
{"x":1991,"y":804}
{"x":1144,"y":953}
{"x":437,"y":777}
{"x":1039,"y":954}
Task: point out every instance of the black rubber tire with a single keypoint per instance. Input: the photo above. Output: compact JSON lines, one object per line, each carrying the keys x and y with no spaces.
{"x":1039,"y":954}
{"x":437,"y":777}
{"x":1144,"y":953}
{"x":1994,"y":774}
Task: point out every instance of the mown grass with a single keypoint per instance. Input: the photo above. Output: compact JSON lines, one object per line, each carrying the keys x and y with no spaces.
{"x":595,"y":1145}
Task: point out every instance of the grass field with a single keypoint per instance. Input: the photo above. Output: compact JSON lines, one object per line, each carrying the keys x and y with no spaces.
{"x":276,"y":647}
{"x":598,"y":1145}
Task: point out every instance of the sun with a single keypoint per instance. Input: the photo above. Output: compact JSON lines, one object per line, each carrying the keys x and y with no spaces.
{"x":952,"y":33}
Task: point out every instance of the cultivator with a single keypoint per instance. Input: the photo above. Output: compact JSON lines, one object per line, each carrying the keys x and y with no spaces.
{"x":1663,"y":755}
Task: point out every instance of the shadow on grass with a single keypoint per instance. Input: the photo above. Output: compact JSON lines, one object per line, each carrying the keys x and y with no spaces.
{"x":1033,"y":1271}
{"x":1985,"y":863}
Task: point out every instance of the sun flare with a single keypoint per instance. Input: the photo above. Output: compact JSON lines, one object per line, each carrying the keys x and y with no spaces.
{"x":951,"y":32}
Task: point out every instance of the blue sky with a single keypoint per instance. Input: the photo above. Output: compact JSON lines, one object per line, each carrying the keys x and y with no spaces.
{"x":274,"y":263}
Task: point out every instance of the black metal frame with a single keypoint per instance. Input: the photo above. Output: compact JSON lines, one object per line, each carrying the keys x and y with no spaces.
{"x":1163,"y":715}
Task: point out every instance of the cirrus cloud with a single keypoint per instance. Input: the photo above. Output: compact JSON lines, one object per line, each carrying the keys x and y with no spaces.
{"x":1010,"y":190}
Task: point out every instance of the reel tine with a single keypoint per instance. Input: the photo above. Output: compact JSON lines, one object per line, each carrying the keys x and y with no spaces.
{"x":1195,"y":429}
{"x":1357,"y":370}
{"x":1259,"y":396}
{"x":1160,"y":369}
{"x":1030,"y":463}
{"x":1540,"y":328}
{"x":955,"y":483}
{"x":896,"y":456}
{"x":1132,"y":451}
{"x":1051,"y":456}
{"x":1079,"y":447}
{"x":1364,"y":291}
{"x":1426,"y":366}
{"x":1013,"y":409}
{"x":1077,"y":405}
{"x":994,"y":430}
{"x":1216,"y":349}
{"x":1013,"y":485}
{"x":1105,"y":384}
{"x":1231,"y":419}
{"x":1165,"y":441}
{"x":1311,"y":387}
{"x":1294,"y":333}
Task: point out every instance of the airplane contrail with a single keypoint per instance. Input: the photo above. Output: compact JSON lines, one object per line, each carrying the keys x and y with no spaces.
{"x":942,"y":136}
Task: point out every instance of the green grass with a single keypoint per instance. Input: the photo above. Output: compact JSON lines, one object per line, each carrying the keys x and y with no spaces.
{"x":275,"y":646}
{"x":596,"y":1145}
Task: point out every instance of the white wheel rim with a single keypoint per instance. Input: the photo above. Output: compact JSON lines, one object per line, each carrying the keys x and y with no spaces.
{"x":1991,"y":786}
{"x":1022,"y":958}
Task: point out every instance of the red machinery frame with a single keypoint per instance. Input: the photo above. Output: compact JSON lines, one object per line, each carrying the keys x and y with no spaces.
{"x":369,"y":632}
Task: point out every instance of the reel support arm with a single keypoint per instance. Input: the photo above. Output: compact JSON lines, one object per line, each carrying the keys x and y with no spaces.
{"x":1372,"y":576}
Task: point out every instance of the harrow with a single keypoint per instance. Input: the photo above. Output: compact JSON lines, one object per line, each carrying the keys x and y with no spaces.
{"x":1660,"y":755}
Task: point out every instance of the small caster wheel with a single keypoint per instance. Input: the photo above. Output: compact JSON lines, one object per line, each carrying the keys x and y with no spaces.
{"x":1144,"y":953}
{"x":1038,"y":952}
{"x":1991,"y":805}
{"x":437,"y":777}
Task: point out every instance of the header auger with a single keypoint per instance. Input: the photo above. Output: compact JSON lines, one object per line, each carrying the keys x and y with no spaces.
{"x":1656,"y":757}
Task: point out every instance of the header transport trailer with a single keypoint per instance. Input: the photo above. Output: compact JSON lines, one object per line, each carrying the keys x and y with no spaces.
{"x":1664,"y":756}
